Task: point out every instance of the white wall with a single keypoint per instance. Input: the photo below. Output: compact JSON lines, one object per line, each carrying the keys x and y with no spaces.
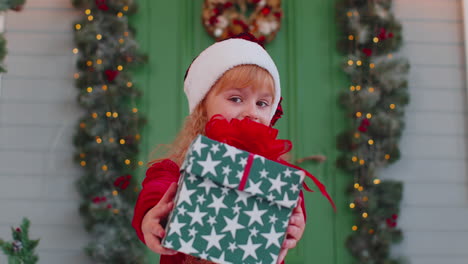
{"x":433,"y":167}
{"x":38,"y":113}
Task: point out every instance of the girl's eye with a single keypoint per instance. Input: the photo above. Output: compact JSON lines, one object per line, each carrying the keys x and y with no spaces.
{"x":262,"y":103}
{"x":235,"y":99}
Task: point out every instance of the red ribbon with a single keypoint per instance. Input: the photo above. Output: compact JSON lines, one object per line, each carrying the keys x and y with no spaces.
{"x":245,"y":176}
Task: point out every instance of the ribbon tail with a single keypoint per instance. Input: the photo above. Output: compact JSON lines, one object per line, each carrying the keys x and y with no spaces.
{"x":321,"y":187}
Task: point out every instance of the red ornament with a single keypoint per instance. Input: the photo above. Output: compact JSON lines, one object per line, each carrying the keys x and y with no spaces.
{"x":111,"y":74}
{"x":365,"y":122}
{"x":18,"y":230}
{"x":99,"y":199}
{"x":216,"y":11}
{"x":391,"y":223}
{"x":122,"y":182}
{"x":362,"y":129}
{"x":266,"y":11}
{"x":102,"y":5}
{"x":213,"y":20}
{"x":367,"y":51}
{"x":394,"y":216}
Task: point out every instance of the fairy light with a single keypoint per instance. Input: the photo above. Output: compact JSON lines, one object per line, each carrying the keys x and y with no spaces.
{"x":356,"y":185}
{"x":89,"y":89}
{"x":137,"y":136}
{"x":358,"y":87}
{"x":371,"y":231}
{"x":377,"y":181}
{"x":357,"y":135}
{"x":75,"y":51}
{"x":134,"y":110}
{"x":370,"y":142}
{"x":108,"y":114}
{"x":349,"y":14}
{"x":104,"y":87}
{"x":82,"y":155}
{"x":111,"y":140}
{"x":115,"y":115}
{"x":90,"y":18}
{"x":127,"y":161}
{"x":392,"y":106}
{"x":358,"y":63}
{"x":354,"y":159}
{"x":372,"y":65}
{"x":120,"y":67}
{"x":120,"y":14}
{"x":361,"y":162}
{"x":116,"y":211}
{"x":365,"y":198}
{"x":390,"y":55}
{"x":351,"y":37}
{"x":125,"y":8}
{"x":358,"y":114}
{"x":88,"y":11}
{"x":140,"y":163}
{"x":76,"y":75}
{"x":129,"y":84}
{"x":352,"y":88}
{"x":77,"y":26}
{"x":83,"y":163}
{"x":361,"y":188}
{"x":387,"y":156}
{"x":115,"y":193}
{"x":89,"y":63}
{"x":94,"y":115}
{"x":99,"y":61}
{"x":122,"y":141}
{"x":365,"y":215}
{"x":368,"y":115}
{"x":104,"y":167}
{"x":354,"y":228}
{"x":98,"y":36}
{"x":371,"y":89}
{"x":121,"y":41}
{"x":376,"y":39}
{"x":98,"y":140}
{"x":126,"y":33}
{"x":352,"y":205}
{"x":82,"y":125}
{"x":350,"y":62}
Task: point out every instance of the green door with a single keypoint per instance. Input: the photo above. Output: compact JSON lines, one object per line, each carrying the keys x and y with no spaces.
{"x":171,"y":33}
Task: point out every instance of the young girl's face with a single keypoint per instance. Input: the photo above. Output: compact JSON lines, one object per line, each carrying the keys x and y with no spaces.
{"x":243,"y":92}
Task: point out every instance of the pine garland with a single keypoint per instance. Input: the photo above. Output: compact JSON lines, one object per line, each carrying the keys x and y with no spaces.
{"x":16,"y":5}
{"x":107,"y":135}
{"x":21,"y":249}
{"x":374,"y":102}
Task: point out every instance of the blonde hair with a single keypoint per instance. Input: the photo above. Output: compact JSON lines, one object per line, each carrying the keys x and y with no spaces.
{"x":242,"y":76}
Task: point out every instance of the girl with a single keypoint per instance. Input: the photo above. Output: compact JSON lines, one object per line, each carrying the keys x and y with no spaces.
{"x":235,"y":78}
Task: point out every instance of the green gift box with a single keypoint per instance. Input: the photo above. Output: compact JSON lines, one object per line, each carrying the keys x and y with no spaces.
{"x":231,"y":206}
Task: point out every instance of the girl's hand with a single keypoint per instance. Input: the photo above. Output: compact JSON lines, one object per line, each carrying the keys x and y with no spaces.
{"x":151,"y":226}
{"x":294,"y":232}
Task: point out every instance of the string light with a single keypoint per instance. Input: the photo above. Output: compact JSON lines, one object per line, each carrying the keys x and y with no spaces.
{"x":82,"y":125}
{"x":115,"y":193}
{"x":89,"y":63}
{"x":358,"y":87}
{"x":104,"y":167}
{"x":358,"y":63}
{"x":372,"y":65}
{"x":77,"y":26}
{"x":354,"y":159}
{"x":387,"y":156}
{"x":350,"y":62}
{"x":88,"y":11}
{"x":371,"y":89}
{"x":361,"y":162}
{"x":134,"y":110}
{"x":354,"y":228}
{"x":76,"y":75}
{"x":90,"y":18}
{"x":111,"y":140}
{"x":127,"y":161}
{"x":122,"y":141}
{"x":351,"y":37}
{"x":364,"y":215}
{"x":126,"y":33}
{"x":369,"y":116}
{"x":371,"y":231}
{"x":115,"y":115}
{"x":98,"y":140}
{"x":94,"y":115}
{"x":125,"y":8}
{"x":99,"y":61}
{"x":120,"y":14}
{"x":358,"y":114}
{"x":129,"y":84}
{"x":349,"y":14}
{"x":352,"y":88}
{"x":121,"y":41}
{"x":104,"y":87}
{"x":392,"y":106}
{"x":89,"y":89}
{"x":83,"y":163}
{"x":115,"y":211}
{"x":357,"y":135}
{"x":361,"y":188}
{"x":376,"y":39}
{"x":98,"y":36}
{"x":75,"y":51}
{"x":377,"y":181}
{"x":120,"y":67}
{"x":108,"y":114}
{"x":365,"y":198}
{"x":356,"y":185}
{"x":370,"y":142}
{"x":390,"y":55}
{"x":352,"y":205}
{"x":140,"y":163}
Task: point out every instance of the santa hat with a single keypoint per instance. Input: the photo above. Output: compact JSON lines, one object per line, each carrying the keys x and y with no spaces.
{"x":220,"y":57}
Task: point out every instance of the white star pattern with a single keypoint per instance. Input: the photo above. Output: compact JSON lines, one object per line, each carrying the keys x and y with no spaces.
{"x":213,"y":239}
{"x":214,"y":148}
{"x":294,"y":188}
{"x":249,"y":249}
{"x":198,"y":146}
{"x":270,"y":197}
{"x":276,"y":184}
{"x":184,"y":195}
{"x":255,"y":215}
{"x":286,"y":202}
{"x":226,"y":170}
{"x":220,"y":259}
{"x":201,"y":199}
{"x":190,"y":164}
{"x":208,"y":165}
{"x":287,"y":173}
{"x":263,"y":173}
{"x":175,"y":227}
{"x":192,"y":177}
{"x":239,"y":175}
{"x":187,"y":247}
{"x":232,"y":246}
{"x":218,"y":203}
{"x":196,"y":216}
{"x":243,"y":162}
{"x":168,"y":244}
{"x":181,"y":210}
{"x":274,"y":257}
{"x":236,"y":209}
{"x":212,"y":220}
{"x":242,"y":197}
{"x":254,"y":188}
{"x":272,"y":237}
{"x":207,"y":184}
{"x":232,"y":225}
{"x":204,"y":255}
{"x":225,"y":190}
{"x":231,"y":152}
{"x":253,"y":231}
{"x":227,"y":184}
{"x":285,"y":224}
{"x":193,"y":231}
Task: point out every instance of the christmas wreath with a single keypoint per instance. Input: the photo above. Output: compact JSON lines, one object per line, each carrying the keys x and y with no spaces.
{"x":224,"y":19}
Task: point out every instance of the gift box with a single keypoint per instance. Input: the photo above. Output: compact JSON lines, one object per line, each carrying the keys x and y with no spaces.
{"x":231,"y":206}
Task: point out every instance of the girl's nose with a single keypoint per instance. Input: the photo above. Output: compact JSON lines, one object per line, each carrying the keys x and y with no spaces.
{"x":250,"y":112}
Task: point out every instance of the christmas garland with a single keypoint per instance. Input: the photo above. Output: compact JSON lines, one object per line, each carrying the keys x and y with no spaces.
{"x":15,"y":5}
{"x":223,"y":19}
{"x":107,"y":135}
{"x":21,"y":249}
{"x":374,"y":101}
